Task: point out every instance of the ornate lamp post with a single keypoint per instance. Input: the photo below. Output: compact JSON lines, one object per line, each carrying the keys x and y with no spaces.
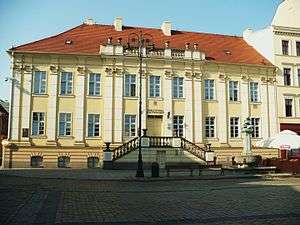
{"x":140,"y":41}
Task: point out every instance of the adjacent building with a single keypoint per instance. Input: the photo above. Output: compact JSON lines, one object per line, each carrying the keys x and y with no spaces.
{"x":74,"y":91}
{"x":280,"y":44}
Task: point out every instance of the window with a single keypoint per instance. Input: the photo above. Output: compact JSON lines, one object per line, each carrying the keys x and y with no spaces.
{"x":178,"y":126}
{"x":94,"y":84}
{"x":285,"y":47}
{"x":130,"y":85}
{"x":36,"y":161}
{"x":38,"y":123}
{"x":65,"y":124}
{"x":287,"y":76}
{"x":210,"y":127}
{"x":178,"y":87}
{"x":254,"y":92}
{"x":255,"y":123}
{"x":93,"y":125}
{"x":130,"y":125}
{"x":288,"y":107}
{"x":209,"y":89}
{"x":298,"y":48}
{"x":233,"y":90}
{"x":66,"y":83}
{"x":39,"y":82}
{"x":92,"y":162}
{"x":63,"y":162}
{"x":234,"y":127}
{"x":154,"y":86}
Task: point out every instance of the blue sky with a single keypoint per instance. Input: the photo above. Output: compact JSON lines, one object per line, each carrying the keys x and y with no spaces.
{"x":23,"y":21}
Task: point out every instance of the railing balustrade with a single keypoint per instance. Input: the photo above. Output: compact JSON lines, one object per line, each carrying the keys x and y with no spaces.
{"x":161,"y":142}
{"x":125,"y":148}
{"x":193,"y":148}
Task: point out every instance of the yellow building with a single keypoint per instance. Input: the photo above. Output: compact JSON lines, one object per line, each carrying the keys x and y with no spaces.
{"x":74,"y":91}
{"x":280,"y":44}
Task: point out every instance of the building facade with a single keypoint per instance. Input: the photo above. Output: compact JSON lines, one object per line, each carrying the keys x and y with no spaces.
{"x":75,"y":91}
{"x":280,"y":44}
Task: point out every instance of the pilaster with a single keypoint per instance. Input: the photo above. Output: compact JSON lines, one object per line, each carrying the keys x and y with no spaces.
{"x":222,"y":122}
{"x":52,"y":105}
{"x":188,"y":106}
{"x":244,"y":93}
{"x":273,"y":108}
{"x":198,"y":136}
{"x":168,"y":104}
{"x":79,"y":105}
{"x":118,"y":105}
{"x":264,"y":109}
{"x":15,"y":101}
{"x":26,"y":100}
{"x":108,"y":103}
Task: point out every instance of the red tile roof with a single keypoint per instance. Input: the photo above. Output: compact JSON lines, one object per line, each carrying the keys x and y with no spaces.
{"x":86,"y":39}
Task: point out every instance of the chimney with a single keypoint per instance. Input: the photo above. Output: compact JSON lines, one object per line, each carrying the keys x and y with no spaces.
{"x":247,"y":33}
{"x":118,"y":23}
{"x":166,"y":28}
{"x":89,"y":21}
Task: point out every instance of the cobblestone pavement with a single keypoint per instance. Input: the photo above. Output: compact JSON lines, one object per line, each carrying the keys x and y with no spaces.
{"x":81,"y":202}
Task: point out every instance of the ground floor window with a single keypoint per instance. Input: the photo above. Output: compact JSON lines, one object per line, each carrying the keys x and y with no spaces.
{"x":63,"y":162}
{"x":130,"y":127}
{"x":178,"y":126}
{"x":92,"y":162}
{"x":36,"y":161}
{"x":210,"y":127}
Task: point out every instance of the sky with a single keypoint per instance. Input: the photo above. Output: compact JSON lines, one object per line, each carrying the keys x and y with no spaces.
{"x":24,"y":21}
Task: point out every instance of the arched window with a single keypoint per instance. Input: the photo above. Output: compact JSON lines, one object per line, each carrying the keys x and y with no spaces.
{"x":36,"y":161}
{"x":92,"y":162}
{"x":63,"y":161}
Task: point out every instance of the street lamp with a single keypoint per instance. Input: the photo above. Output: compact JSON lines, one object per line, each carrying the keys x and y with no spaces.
{"x":140,"y":41}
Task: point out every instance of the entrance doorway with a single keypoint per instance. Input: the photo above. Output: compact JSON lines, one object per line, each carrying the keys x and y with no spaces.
{"x":154,"y":125}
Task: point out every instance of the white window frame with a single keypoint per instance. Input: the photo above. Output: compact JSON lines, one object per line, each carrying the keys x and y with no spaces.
{"x":130,"y":83}
{"x":67,"y":84}
{"x":234,"y":126}
{"x":94,"y":125}
{"x":257,"y":126}
{"x":130,"y":124}
{"x":41,"y":83}
{"x":155,"y":87}
{"x":232,"y":91}
{"x":293,"y":106}
{"x":176,"y":93}
{"x":95,"y":82}
{"x":257,"y":91}
{"x":39,"y":124}
{"x":179,"y":127}
{"x":209,"y":88}
{"x":211,"y":135}
{"x":298,"y":76}
{"x":291,"y":76}
{"x":289,"y":47}
{"x":67,"y":122}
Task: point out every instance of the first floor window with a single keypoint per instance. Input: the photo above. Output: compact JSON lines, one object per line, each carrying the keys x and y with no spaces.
{"x":234,"y":127}
{"x":288,"y":107}
{"x":178,"y":87}
{"x":38,"y":123}
{"x":255,"y":122}
{"x":299,"y":77}
{"x":154,"y":86}
{"x":130,"y":125}
{"x":254,"y":92}
{"x":210,"y":127}
{"x":298,"y":48}
{"x":287,"y":76}
{"x":65,"y":124}
{"x":93,"y":125}
{"x":178,"y":125}
{"x":209,"y":89}
{"x":39,"y":82}
{"x":130,"y":85}
{"x":94,"y":84}
{"x":66,"y":83}
{"x":233,"y":90}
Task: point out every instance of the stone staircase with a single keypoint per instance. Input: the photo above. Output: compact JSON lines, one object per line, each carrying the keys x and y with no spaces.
{"x":155,"y":149}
